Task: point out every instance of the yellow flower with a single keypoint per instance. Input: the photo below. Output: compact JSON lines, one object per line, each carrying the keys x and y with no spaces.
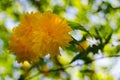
{"x":26,"y":65}
{"x":39,"y":34}
{"x":82,"y":46}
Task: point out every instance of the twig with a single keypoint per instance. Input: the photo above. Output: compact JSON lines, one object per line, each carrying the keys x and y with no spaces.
{"x":63,"y":68}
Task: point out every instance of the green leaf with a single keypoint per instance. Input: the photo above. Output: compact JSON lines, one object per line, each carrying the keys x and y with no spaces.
{"x":83,"y":56}
{"x":77,"y":26}
{"x":108,"y":38}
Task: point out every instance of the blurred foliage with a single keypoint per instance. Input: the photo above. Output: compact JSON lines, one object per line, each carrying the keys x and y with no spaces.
{"x":96,"y":31}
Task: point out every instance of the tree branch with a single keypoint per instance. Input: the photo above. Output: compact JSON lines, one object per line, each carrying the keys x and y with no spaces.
{"x":63,"y":68}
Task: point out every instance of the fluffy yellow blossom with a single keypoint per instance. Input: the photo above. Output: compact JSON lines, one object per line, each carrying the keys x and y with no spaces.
{"x":39,"y":34}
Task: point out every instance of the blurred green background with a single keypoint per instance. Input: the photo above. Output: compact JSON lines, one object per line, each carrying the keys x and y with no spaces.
{"x":95,"y":21}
